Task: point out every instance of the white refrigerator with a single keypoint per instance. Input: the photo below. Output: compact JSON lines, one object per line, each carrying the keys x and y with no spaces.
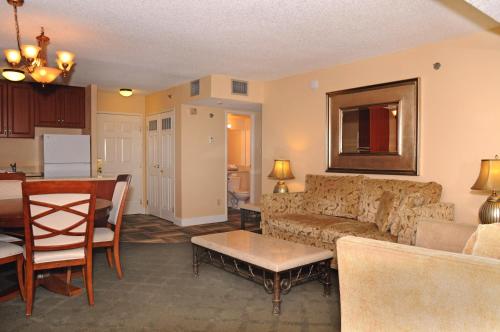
{"x":66,"y":156}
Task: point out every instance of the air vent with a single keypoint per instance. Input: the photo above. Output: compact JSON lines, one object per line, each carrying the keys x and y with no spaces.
{"x":239,"y":87}
{"x":166,"y":123}
{"x":195,"y":88}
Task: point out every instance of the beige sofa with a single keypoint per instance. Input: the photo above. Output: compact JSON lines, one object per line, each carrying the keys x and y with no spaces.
{"x":392,"y":287}
{"x":335,"y":206}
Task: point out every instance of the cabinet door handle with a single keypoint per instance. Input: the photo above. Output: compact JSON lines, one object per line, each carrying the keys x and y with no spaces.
{"x":10,"y":132}
{"x":5,"y":132}
{"x":62,"y":120}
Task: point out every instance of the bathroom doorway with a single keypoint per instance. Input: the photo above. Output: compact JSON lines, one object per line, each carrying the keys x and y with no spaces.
{"x":240,"y":158}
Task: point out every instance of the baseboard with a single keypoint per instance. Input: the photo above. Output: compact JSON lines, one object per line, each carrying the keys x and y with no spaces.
{"x":200,"y":220}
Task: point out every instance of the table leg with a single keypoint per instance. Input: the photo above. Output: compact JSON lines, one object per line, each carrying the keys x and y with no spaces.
{"x":196,"y":262}
{"x":276,"y":294}
{"x":327,"y":282}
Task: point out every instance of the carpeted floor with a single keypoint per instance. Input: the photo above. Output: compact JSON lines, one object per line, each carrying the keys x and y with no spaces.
{"x":160,"y":293}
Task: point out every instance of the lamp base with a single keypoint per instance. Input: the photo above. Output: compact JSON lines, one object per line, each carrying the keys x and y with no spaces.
{"x":280,"y":187}
{"x":490,"y":210}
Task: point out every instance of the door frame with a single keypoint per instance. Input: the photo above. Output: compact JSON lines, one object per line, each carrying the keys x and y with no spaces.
{"x":252,"y":153}
{"x":143,"y":140}
{"x":174,"y":148}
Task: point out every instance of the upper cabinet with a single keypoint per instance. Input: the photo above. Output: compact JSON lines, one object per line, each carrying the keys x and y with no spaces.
{"x":24,"y":106}
{"x":60,"y":106}
{"x":20,"y":111}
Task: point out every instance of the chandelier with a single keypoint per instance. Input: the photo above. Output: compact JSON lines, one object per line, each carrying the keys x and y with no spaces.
{"x":33,"y":59}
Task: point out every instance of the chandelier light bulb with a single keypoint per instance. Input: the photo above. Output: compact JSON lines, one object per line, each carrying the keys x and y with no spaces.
{"x":126,"y":92}
{"x":13,"y":56}
{"x":30,"y":51}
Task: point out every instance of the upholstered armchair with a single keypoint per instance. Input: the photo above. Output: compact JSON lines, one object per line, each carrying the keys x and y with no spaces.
{"x":428,"y":287}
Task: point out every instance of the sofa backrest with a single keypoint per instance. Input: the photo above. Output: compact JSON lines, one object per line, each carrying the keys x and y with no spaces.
{"x":373,"y":189}
{"x":333,"y":195}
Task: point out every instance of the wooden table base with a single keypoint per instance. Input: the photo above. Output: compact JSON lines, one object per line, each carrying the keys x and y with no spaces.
{"x":60,"y":283}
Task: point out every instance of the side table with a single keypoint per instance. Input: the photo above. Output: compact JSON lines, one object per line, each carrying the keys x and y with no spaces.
{"x":249,"y":213}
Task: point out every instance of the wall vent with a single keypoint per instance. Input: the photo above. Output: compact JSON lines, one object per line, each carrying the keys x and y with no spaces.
{"x":239,"y":87}
{"x":195,"y":88}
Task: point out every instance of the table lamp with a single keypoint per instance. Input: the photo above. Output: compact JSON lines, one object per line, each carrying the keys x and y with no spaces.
{"x":489,"y":179}
{"x":281,"y":171}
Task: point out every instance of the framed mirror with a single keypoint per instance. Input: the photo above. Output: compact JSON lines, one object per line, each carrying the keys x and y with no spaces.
{"x":374,"y":129}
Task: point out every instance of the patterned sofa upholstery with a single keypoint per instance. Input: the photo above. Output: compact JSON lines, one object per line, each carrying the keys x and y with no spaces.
{"x":332,"y":207}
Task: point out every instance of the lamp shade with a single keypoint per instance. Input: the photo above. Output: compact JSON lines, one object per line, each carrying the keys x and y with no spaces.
{"x":45,"y":74}
{"x":281,"y":170}
{"x":14,"y":75}
{"x":489,"y":175}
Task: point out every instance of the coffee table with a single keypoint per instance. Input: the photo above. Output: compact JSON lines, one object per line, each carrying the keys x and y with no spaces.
{"x":276,"y":264}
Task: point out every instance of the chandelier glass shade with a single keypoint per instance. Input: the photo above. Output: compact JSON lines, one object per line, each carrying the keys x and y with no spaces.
{"x":33,"y":58}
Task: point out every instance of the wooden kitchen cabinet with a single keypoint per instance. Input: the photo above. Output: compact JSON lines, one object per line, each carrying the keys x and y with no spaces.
{"x":20,"y":111}
{"x":26,"y":105}
{"x":3,"y":109}
{"x":60,"y":106}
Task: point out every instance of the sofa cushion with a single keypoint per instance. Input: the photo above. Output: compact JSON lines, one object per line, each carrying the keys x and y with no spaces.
{"x":485,"y":241}
{"x":373,"y":188}
{"x":333,"y":195}
{"x":385,"y":208}
{"x":305,"y":224}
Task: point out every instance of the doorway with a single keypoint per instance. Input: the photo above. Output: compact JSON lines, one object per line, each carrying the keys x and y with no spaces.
{"x":120,"y":148}
{"x":240,"y":158}
{"x":161,"y":165}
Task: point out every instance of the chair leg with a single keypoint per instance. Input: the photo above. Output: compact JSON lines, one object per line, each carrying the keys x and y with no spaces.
{"x":109,"y":257}
{"x":20,"y":278}
{"x":88,"y":282}
{"x":116,"y":254}
{"x":30,"y":290}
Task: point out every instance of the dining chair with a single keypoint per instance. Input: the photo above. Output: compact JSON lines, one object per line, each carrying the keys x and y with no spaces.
{"x":109,"y":237}
{"x":10,"y":185}
{"x":12,"y":253}
{"x":58,"y":229}
{"x":11,"y":188}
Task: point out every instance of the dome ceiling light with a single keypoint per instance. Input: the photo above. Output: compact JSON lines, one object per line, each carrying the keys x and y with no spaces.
{"x":126,"y":92}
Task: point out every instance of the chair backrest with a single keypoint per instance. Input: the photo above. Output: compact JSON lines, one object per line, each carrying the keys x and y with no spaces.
{"x":11,"y":185}
{"x":119,"y":197}
{"x":58,"y":215}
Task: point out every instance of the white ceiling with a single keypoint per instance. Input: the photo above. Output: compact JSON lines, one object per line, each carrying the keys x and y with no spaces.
{"x":489,"y":7}
{"x":149,"y":45}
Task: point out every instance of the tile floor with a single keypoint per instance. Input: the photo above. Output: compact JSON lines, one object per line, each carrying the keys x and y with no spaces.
{"x":140,"y":228}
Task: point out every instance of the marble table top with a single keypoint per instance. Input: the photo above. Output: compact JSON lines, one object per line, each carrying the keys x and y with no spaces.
{"x":272,"y":254}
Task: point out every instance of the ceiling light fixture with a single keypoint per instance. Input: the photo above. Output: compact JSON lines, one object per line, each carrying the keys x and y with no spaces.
{"x":14,"y":75}
{"x":33,"y":59}
{"x":126,"y":92}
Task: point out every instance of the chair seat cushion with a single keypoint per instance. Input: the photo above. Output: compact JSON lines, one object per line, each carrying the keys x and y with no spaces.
{"x":9,"y":249}
{"x":8,"y":238}
{"x":57,"y":255}
{"x":103,"y":234}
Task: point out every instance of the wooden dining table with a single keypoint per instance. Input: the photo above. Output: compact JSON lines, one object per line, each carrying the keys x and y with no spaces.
{"x":11,"y":221}
{"x":11,"y":212}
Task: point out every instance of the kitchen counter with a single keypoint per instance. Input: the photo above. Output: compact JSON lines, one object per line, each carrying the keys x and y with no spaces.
{"x":30,"y":179}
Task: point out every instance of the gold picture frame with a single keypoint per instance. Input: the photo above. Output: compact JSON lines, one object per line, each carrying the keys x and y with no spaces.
{"x":393,"y":147}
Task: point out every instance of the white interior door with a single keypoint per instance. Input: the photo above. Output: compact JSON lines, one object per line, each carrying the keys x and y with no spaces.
{"x":120,"y":146}
{"x":160,"y":161}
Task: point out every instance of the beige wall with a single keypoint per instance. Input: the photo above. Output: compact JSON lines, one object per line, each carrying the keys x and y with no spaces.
{"x":28,"y":152}
{"x":203,"y":163}
{"x":460,"y":113}
{"x":113,"y":102}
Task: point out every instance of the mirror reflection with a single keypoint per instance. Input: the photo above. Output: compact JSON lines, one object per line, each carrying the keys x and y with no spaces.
{"x":370,"y":129}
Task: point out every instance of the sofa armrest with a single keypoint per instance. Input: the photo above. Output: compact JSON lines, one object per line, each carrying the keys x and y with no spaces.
{"x":442,"y":235}
{"x":409,"y":218}
{"x":392,"y":287}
